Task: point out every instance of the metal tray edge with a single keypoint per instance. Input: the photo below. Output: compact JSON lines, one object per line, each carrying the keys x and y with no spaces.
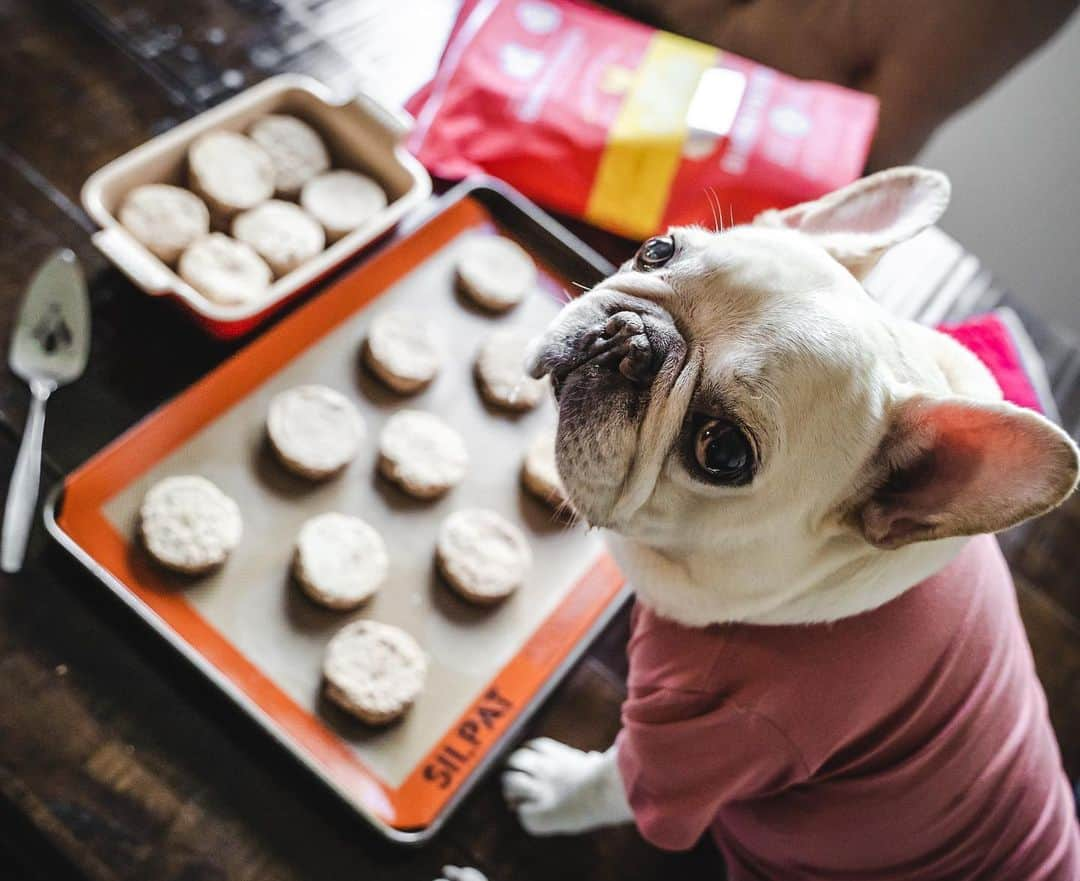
{"x":499,"y":188}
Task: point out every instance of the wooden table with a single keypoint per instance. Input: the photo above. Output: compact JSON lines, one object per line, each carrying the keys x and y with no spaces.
{"x":116,"y":761}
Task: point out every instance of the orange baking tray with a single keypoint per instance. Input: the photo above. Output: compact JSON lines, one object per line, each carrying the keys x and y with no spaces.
{"x":249,"y":630}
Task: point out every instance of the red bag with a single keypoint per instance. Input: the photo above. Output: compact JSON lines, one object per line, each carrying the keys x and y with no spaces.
{"x":630,"y":128}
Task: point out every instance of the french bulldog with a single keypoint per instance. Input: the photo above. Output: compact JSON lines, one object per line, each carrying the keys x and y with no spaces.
{"x":825,"y":668}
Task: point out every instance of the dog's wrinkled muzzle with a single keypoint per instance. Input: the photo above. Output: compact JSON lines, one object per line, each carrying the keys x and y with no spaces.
{"x":625,"y":335}
{"x":622,"y":374}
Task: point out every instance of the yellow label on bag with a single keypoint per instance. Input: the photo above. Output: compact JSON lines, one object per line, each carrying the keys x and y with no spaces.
{"x":644,"y":145}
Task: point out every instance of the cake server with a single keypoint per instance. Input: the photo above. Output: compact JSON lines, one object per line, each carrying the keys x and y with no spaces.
{"x":49,"y":349}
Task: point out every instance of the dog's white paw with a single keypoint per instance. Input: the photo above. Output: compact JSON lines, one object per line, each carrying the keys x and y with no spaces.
{"x":461,"y":873}
{"x":558,"y":789}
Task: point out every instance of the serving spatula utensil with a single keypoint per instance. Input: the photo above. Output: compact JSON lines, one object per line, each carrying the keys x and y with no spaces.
{"x":49,"y":348}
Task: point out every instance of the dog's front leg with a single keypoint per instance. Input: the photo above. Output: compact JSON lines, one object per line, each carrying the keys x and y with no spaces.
{"x":557,"y":789}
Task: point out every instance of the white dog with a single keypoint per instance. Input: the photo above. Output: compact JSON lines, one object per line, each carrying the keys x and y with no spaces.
{"x":827,"y":671}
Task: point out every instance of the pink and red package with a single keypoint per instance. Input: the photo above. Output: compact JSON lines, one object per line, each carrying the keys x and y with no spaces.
{"x":628,"y":127}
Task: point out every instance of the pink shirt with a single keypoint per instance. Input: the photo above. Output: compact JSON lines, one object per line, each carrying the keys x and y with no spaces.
{"x":910,"y":742}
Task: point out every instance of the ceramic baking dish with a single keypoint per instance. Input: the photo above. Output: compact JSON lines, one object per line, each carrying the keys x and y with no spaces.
{"x":361,"y":133}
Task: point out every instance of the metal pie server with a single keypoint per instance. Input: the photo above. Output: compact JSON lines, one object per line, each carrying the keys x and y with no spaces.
{"x":49,"y":349}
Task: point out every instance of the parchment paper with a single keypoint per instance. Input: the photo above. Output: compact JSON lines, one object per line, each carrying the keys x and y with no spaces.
{"x":253,"y":602}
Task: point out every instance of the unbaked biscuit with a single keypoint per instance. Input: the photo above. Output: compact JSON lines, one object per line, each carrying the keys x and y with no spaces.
{"x":189,"y":525}
{"x":500,"y":372}
{"x":540,"y":474}
{"x":495,"y":272}
{"x":340,"y":561}
{"x":225,"y":271}
{"x":342,"y":200}
{"x":165,"y":219}
{"x":282,"y":233}
{"x":374,"y":671}
{"x":294,"y":147}
{"x":314,"y":430}
{"x":403,"y":350}
{"x":231,"y":172}
{"x":482,"y":555}
{"x":421,"y":454}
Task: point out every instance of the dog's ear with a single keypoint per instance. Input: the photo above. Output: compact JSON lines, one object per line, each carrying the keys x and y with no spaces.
{"x":860,"y":222}
{"x":956,"y":466}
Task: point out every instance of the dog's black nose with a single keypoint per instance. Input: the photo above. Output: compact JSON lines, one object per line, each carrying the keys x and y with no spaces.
{"x":622,"y":343}
{"x":610,"y":331}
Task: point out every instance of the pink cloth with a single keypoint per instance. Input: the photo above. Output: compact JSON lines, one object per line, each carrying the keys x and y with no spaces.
{"x":988,"y":337}
{"x":910,"y":742}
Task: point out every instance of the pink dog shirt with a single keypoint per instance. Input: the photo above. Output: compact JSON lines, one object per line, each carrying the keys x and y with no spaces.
{"x":909,"y":742}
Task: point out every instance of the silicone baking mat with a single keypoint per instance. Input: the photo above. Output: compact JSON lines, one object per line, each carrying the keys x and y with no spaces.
{"x":250,"y":628}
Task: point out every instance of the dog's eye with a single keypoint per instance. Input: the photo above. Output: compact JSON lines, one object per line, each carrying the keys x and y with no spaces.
{"x":723,"y":452}
{"x":654,"y":253}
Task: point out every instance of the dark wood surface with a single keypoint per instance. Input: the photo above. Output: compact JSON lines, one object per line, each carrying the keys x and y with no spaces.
{"x":117,"y":761}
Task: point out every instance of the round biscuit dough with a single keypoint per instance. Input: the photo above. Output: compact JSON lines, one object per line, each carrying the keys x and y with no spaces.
{"x":189,"y":525}
{"x":495,"y":272}
{"x":482,"y":555}
{"x":294,"y":147}
{"x":231,"y":172}
{"x":500,"y":372}
{"x":340,"y":561}
{"x":314,"y":430}
{"x":422,"y":454}
{"x":403,"y":350}
{"x":282,"y":233}
{"x":342,"y":200}
{"x":540,"y":474}
{"x":165,"y":219}
{"x":224,"y":270}
{"x":374,"y":671}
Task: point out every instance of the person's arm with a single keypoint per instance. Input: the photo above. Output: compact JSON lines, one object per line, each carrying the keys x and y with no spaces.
{"x":924,"y":59}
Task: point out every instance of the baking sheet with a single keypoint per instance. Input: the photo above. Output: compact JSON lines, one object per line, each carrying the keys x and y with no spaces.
{"x":252,"y":632}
